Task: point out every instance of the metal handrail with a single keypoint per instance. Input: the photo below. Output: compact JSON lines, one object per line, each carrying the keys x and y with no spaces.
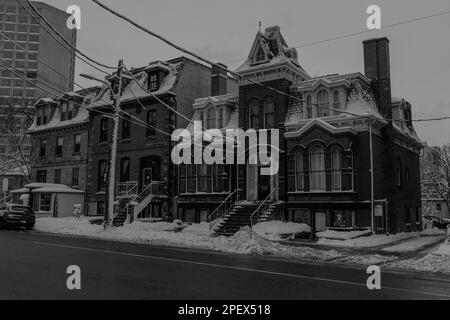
{"x":261,"y":205}
{"x":220,"y":206}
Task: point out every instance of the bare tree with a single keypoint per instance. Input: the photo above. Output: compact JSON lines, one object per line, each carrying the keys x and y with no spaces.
{"x":16,"y":143}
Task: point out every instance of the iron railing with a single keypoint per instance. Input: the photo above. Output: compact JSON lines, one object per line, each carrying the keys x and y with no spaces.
{"x":228,"y":200}
{"x":263,"y":206}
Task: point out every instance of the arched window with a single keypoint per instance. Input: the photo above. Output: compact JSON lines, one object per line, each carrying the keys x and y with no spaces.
{"x":309,"y":113}
{"x":323,"y":102}
{"x":269,"y":114}
{"x":254,"y":115}
{"x":317,"y":169}
{"x":211,"y":118}
{"x":336,"y":169}
{"x":299,"y":172}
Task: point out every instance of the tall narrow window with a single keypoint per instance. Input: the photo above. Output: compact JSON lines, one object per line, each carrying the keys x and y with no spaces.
{"x":336,"y":100}
{"x":59,"y":147}
{"x":43,"y":148}
{"x":153,"y":83}
{"x":64,"y":106}
{"x":70,"y":112}
{"x":211,"y":118}
{"x":151,"y":121}
{"x":299,"y":172}
{"x":182,"y":172}
{"x":269,"y":114}
{"x":336,"y":169}
{"x":126,"y":127}
{"x":77,"y":143}
{"x":202,"y":172}
{"x":101,"y":175}
{"x":309,"y":110}
{"x":399,"y":172}
{"x":317,"y":169}
{"x":220,"y":118}
{"x":254,"y":115}
{"x":75,"y":177}
{"x":125,"y":170}
{"x":57,"y":176}
{"x":103,"y":136}
{"x":323,"y":102}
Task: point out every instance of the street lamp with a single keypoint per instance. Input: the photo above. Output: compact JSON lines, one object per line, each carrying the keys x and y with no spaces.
{"x":109,"y":215}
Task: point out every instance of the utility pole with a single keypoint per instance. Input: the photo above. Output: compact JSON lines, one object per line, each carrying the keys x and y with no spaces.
{"x":117,"y":88}
{"x":372,"y":198}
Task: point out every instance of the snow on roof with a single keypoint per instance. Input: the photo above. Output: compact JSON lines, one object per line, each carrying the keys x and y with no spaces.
{"x":361,"y":103}
{"x":81,"y":116}
{"x":20,"y":191}
{"x":57,"y":190}
{"x":36,"y":185}
{"x":136,"y":89}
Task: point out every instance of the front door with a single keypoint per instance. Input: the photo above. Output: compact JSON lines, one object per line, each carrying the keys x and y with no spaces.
{"x":146,"y":177}
{"x":321,"y":221}
{"x":263,"y":185}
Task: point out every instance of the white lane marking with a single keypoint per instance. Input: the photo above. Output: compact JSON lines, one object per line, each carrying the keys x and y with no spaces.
{"x":236,"y":268}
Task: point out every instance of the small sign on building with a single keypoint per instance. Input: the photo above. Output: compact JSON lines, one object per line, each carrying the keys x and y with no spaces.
{"x":378,"y":210}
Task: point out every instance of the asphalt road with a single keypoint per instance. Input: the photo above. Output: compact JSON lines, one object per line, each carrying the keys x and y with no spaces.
{"x":33,"y":266}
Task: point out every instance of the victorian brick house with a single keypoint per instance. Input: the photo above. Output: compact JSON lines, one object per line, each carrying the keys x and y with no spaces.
{"x":339,"y":136}
{"x":145,"y":172}
{"x":59,"y":139}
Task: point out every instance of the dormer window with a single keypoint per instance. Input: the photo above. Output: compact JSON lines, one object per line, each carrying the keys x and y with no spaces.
{"x":64,"y":107}
{"x":39,"y":117}
{"x":153,"y":81}
{"x":70,"y":112}
{"x":260,"y":56}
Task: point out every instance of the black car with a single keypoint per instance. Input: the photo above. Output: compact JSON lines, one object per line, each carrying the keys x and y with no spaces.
{"x":16,"y":215}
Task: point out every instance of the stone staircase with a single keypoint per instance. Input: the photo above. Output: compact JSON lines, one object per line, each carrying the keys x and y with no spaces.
{"x":239,"y":217}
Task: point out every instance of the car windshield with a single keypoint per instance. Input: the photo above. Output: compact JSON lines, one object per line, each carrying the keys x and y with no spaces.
{"x":20,"y":209}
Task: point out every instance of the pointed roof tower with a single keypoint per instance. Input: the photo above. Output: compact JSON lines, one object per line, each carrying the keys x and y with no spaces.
{"x":270,"y":54}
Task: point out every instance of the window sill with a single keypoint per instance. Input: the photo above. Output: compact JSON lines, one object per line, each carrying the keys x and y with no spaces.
{"x":127,"y":140}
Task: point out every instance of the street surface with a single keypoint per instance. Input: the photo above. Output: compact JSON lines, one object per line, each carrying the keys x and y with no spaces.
{"x":33,"y":266}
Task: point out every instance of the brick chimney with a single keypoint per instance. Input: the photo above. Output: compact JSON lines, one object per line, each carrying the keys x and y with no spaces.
{"x":377,"y":69}
{"x":219,"y":80}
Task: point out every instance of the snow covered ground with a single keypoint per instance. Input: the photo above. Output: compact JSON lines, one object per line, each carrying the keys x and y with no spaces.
{"x":198,"y":236}
{"x":377,"y":240}
{"x":277,"y":230}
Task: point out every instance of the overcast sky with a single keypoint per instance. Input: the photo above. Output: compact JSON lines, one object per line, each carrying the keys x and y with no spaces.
{"x":223,"y":31}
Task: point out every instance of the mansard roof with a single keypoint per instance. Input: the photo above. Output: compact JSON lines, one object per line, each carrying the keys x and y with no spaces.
{"x":276,"y":52}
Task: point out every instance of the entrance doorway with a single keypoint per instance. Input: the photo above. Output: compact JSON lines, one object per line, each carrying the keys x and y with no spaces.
{"x":321,"y":221}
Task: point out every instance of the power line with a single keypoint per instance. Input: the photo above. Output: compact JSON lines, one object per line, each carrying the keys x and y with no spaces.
{"x":141,"y":123}
{"x":64,"y":39}
{"x":179,"y":48}
{"x":57,"y":40}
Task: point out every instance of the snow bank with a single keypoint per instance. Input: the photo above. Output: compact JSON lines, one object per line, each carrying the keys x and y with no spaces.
{"x":371,"y":241}
{"x":414,"y":244}
{"x":443,"y":250}
{"x":343,"y":235}
{"x":276,"y":230}
{"x":430,"y":263}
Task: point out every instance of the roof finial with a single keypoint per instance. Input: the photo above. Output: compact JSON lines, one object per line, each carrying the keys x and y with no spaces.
{"x":260,"y":26}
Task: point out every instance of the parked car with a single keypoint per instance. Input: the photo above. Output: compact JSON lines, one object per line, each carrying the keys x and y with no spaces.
{"x":16,"y":215}
{"x":438,"y":222}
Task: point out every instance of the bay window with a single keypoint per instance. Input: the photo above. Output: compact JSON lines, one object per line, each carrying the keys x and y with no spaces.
{"x":317,"y":169}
